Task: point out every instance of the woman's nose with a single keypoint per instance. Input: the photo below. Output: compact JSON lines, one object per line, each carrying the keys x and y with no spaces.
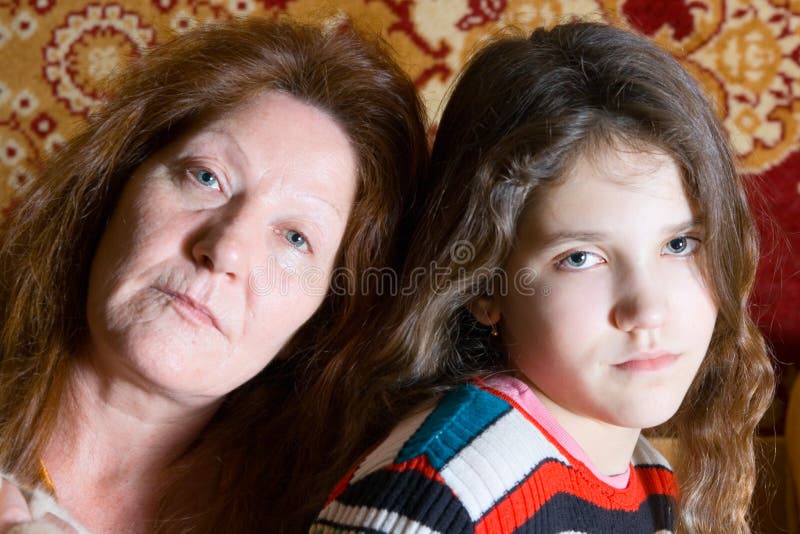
{"x":227,"y":242}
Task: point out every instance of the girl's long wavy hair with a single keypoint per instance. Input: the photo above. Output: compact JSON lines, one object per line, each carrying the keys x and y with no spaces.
{"x":48,"y":242}
{"x":521,"y":112}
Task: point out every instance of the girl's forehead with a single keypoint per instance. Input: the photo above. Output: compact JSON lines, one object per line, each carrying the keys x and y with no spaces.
{"x":614,"y":156}
{"x":610,"y":190}
{"x":614,"y":164}
{"x":621,"y":166}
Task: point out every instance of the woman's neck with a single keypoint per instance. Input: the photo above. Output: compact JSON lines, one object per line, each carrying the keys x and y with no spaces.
{"x":112,"y":447}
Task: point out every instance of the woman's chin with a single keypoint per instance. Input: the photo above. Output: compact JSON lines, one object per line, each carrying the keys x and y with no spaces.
{"x":168,"y":356}
{"x":165,"y":345}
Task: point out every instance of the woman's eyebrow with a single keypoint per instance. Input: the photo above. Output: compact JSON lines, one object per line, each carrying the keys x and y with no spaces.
{"x":304,"y":195}
{"x":228,"y":144}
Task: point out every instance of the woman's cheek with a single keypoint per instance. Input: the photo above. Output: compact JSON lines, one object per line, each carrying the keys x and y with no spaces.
{"x":288,"y":273}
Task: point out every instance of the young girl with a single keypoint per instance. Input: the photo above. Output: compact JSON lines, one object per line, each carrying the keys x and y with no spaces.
{"x":588,"y":253}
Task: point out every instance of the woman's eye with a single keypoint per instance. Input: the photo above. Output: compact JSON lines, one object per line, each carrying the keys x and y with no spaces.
{"x":296,"y":239}
{"x":681,"y":246}
{"x":206,"y":178}
{"x":579,"y":260}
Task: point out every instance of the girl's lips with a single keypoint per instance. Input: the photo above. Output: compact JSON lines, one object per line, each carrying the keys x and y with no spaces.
{"x":648,"y":361}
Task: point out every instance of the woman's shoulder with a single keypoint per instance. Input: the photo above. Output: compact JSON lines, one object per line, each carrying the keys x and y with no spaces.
{"x":46,"y":515}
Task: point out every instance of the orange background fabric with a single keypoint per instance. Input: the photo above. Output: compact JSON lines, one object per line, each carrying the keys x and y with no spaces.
{"x":55,"y":56}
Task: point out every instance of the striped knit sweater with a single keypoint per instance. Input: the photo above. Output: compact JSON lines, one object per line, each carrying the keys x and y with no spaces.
{"x":479,"y":462}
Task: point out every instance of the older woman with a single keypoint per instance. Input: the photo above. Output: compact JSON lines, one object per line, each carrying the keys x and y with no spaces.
{"x":176,"y":247}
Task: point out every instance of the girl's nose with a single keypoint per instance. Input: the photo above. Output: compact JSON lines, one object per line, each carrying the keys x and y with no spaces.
{"x":642,"y":306}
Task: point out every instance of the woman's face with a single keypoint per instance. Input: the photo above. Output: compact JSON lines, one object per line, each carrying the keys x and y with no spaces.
{"x":220,"y":248}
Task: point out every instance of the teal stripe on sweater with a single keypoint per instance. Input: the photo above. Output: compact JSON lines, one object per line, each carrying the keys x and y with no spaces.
{"x":460,"y":416}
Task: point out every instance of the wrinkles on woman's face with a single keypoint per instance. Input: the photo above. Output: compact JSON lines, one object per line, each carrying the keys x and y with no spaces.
{"x":221,"y":246}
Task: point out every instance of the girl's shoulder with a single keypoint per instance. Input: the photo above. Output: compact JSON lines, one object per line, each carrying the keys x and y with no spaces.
{"x":442,"y":469}
{"x":438,"y":433}
{"x":474,"y":457}
{"x":646,"y":454}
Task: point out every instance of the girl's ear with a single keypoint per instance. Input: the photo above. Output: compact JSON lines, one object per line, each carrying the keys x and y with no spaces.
{"x":486,"y":310}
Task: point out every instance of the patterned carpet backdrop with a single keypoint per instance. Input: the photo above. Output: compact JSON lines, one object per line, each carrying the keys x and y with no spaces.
{"x":55,"y":56}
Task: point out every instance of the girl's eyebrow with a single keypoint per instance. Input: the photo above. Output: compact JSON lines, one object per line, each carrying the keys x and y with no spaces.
{"x":556,"y":238}
{"x":692,"y":224}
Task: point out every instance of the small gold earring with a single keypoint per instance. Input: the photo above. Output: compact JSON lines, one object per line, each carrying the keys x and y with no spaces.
{"x":488,"y":320}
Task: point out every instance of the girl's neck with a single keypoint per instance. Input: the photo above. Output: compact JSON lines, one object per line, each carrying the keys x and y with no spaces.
{"x":112,"y":441}
{"x":609,"y":447}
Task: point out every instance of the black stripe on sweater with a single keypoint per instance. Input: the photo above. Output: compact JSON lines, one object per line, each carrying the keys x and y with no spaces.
{"x":569,"y":512}
{"x":411,"y":494}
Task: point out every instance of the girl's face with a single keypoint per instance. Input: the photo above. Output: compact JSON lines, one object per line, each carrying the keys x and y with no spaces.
{"x":618,"y":316}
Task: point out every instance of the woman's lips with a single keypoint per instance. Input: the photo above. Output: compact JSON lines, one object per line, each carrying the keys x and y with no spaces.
{"x":648,"y":361}
{"x":190,"y":309}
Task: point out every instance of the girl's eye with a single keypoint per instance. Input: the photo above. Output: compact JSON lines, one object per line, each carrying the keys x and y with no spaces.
{"x":206,"y":178}
{"x":579,"y":260}
{"x":681,"y":246}
{"x":296,"y":239}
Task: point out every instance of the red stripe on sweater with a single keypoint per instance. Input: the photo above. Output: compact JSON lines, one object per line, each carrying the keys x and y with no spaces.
{"x":554,"y":477}
{"x":420,"y":464}
{"x":340,"y":486}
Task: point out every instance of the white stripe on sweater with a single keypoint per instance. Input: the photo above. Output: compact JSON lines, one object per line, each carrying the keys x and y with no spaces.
{"x":385,"y":453}
{"x":496,"y":461}
{"x":367,"y":517}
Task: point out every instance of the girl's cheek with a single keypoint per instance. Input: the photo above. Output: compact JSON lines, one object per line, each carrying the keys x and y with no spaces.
{"x":577,"y":288}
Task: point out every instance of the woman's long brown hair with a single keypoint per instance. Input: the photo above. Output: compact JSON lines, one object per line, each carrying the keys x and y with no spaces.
{"x":252,"y":448}
{"x":521,"y":112}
